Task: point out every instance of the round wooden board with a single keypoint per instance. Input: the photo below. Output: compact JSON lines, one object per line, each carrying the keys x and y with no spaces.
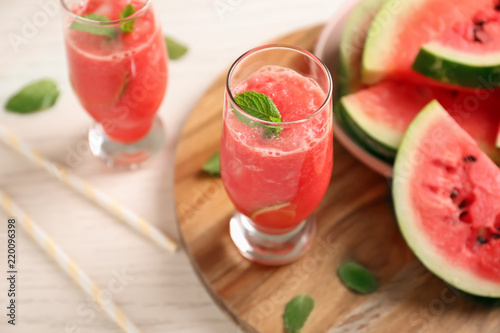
{"x":355,"y":221}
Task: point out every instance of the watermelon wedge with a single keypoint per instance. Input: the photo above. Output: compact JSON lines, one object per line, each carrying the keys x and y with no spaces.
{"x":374,"y":147}
{"x":447,"y":199}
{"x":403,"y":27}
{"x":466,"y":55}
{"x":383,"y":112}
{"x":379,"y":116}
{"x":352,"y":45}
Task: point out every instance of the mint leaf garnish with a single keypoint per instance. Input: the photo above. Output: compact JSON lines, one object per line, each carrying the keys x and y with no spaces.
{"x":357,"y":278}
{"x":175,"y":49}
{"x":296,"y":313}
{"x":258,"y":105}
{"x":95,"y":29}
{"x":36,"y":96}
{"x":127,"y":11}
{"x":261,"y":107}
{"x":212,"y":166}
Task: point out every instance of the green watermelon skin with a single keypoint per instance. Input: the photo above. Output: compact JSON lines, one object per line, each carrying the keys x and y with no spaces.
{"x":384,"y":111}
{"x":446,"y":195}
{"x":352,"y":45}
{"x":378,"y":116}
{"x":393,"y":45}
{"x":466,"y":55}
{"x":368,"y":143}
{"x":454,"y":72}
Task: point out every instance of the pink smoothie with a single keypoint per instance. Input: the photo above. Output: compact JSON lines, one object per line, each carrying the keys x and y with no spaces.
{"x":120,"y":81}
{"x":279,"y":182}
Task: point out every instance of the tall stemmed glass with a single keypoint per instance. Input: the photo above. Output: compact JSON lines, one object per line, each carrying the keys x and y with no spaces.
{"x":118,"y":68}
{"x":276,"y":173}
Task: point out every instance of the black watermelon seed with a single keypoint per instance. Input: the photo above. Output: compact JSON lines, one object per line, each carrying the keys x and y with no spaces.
{"x":495,"y":236}
{"x":470,"y":158}
{"x":481,"y":23}
{"x":463,"y":214}
{"x":463,"y":204}
{"x":497,"y":7}
{"x":454,"y":194}
{"x":482,"y":240}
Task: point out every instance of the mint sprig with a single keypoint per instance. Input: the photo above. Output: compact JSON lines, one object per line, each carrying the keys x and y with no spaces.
{"x":261,"y":107}
{"x":36,"y":96}
{"x":127,"y":11}
{"x":296,"y":313}
{"x":357,"y":278}
{"x":95,"y":29}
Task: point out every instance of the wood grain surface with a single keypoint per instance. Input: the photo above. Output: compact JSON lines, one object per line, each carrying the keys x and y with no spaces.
{"x":355,"y":221}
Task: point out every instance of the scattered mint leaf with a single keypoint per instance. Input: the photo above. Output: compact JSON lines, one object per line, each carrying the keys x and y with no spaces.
{"x":36,"y":96}
{"x":357,"y":278}
{"x":126,"y":12}
{"x":296,"y":313}
{"x":95,"y":29}
{"x":261,"y":107}
{"x":175,"y":49}
{"x":212,"y":166}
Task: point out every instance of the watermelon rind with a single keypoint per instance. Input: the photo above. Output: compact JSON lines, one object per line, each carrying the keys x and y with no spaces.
{"x":457,"y":67}
{"x":381,"y":31}
{"x":383,"y":135}
{"x":397,"y":30}
{"x":352,"y":45}
{"x":408,"y":219}
{"x":359,"y":126}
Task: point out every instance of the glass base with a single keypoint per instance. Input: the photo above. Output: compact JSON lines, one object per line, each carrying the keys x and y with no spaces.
{"x":129,"y":156}
{"x":271,"y":248}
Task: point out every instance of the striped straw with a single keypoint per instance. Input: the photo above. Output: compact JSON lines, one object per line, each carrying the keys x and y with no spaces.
{"x":66,"y":263}
{"x":136,"y":222}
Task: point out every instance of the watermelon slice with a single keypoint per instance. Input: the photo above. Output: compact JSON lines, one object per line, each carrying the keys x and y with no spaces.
{"x":403,"y":27}
{"x":466,"y":54}
{"x":370,"y":144}
{"x":352,"y":45}
{"x":380,"y":115}
{"x":447,"y":201}
{"x":383,"y":112}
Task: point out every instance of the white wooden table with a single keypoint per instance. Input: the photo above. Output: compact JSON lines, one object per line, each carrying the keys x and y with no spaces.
{"x":157,"y":290}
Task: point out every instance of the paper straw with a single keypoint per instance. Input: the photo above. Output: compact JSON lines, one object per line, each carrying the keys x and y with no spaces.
{"x":66,"y":263}
{"x":136,"y":222}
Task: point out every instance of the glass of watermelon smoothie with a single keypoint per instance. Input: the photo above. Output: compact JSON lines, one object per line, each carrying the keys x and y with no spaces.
{"x":276,"y":173}
{"x":118,"y":68}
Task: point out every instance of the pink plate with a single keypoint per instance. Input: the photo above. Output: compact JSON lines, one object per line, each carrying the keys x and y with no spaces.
{"x":327,"y":49}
